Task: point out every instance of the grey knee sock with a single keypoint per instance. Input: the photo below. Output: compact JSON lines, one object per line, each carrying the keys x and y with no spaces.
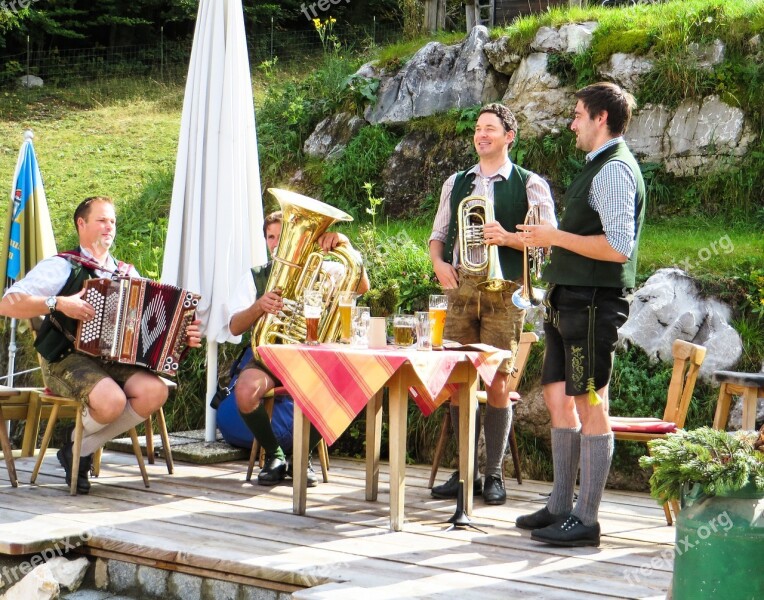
{"x":455,"y":426}
{"x":496,"y":426}
{"x":129,"y":418}
{"x":596,"y":455}
{"x":566,"y":449}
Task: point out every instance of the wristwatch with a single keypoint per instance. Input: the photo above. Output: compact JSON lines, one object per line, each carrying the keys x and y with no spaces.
{"x":50,"y":302}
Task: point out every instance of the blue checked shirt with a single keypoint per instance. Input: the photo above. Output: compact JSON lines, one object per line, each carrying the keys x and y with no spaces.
{"x":612,"y":196}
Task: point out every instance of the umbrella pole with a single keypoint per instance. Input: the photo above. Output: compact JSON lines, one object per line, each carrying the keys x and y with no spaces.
{"x":11,"y":354}
{"x":210,"y":422}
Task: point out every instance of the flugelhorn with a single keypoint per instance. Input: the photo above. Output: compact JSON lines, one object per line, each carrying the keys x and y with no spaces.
{"x":529,"y":296}
{"x":475,"y":256}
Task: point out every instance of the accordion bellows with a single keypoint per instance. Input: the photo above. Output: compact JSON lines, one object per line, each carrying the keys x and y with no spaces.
{"x":138,"y":322}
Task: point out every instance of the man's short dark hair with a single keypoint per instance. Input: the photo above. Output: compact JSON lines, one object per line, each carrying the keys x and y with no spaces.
{"x":83,"y":209}
{"x":274,"y":217}
{"x":506,"y":116}
{"x":606,"y":96}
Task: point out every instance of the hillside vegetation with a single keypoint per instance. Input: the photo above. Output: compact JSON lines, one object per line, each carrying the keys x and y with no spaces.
{"x":91,"y":141}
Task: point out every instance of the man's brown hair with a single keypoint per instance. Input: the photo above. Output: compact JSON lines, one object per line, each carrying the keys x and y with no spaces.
{"x":606,"y":96}
{"x":274,"y":217}
{"x":83,"y":208}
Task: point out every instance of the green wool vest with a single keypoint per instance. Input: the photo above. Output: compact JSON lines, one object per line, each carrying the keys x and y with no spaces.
{"x":510,"y":208}
{"x":54,"y":338}
{"x":569,"y":268}
{"x":260,"y":275}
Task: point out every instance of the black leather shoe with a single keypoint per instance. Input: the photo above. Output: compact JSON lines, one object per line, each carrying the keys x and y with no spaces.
{"x":451,"y":487}
{"x":66,"y":458}
{"x":311,"y":476}
{"x":493,"y":490}
{"x":274,"y":470}
{"x":570,"y":532}
{"x":538,"y":520}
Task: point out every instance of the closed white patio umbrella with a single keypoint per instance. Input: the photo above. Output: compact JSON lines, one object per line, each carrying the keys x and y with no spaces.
{"x":216,"y":216}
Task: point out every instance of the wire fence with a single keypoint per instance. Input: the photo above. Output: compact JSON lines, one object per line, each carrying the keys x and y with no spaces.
{"x":168,"y":61}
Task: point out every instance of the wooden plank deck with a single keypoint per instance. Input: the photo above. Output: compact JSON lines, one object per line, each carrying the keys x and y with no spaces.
{"x":208,"y":520}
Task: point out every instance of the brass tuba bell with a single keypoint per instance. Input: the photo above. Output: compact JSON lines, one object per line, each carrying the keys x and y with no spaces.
{"x":475,"y":256}
{"x":529,"y":296}
{"x":297,"y":267}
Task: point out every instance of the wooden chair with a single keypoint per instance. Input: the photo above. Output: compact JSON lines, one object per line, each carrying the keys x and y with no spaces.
{"x":17,"y":404}
{"x":527,"y":339}
{"x":258,"y":453}
{"x":749,"y":386}
{"x":687,"y":360}
{"x":62,"y":406}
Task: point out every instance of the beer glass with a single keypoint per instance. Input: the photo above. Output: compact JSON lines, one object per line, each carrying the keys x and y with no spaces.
{"x":360,"y":326}
{"x":438,"y":308}
{"x":346,"y":305}
{"x":403,"y":331}
{"x":313,"y":304}
{"x":423,"y":330}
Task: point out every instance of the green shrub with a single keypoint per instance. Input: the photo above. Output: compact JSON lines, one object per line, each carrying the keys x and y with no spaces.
{"x":342,"y":180}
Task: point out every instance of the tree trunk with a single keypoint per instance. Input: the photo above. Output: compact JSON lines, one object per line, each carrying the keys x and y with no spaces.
{"x":434,"y":15}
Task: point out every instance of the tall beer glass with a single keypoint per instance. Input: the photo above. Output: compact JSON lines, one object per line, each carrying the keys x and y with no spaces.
{"x":438,"y":308}
{"x":313,"y":304}
{"x":346,"y":304}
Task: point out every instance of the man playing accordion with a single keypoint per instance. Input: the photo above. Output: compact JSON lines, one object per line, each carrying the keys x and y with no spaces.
{"x":116,"y":396}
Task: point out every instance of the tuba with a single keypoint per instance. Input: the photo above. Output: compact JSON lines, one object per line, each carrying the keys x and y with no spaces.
{"x":475,"y":255}
{"x":529,"y":296}
{"x":298,"y":266}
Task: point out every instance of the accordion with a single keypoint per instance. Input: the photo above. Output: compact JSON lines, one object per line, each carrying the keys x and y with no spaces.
{"x":138,"y":322}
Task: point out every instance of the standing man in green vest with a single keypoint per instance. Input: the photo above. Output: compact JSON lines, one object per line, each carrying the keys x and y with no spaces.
{"x":475,"y":315}
{"x":591,"y":276}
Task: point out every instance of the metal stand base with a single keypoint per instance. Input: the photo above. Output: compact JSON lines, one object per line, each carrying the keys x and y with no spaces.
{"x":460,"y":520}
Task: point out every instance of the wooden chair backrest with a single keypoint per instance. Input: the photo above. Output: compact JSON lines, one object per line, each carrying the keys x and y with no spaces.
{"x":527,"y":339}
{"x":687,"y":360}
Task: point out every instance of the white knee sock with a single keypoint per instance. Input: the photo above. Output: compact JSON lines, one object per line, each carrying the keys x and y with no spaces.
{"x":129,"y":418}
{"x":89,"y":425}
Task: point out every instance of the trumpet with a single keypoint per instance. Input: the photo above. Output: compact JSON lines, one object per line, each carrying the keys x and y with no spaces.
{"x":534,"y":259}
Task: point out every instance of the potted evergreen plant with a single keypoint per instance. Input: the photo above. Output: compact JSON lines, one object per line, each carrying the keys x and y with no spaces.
{"x":719,"y":478}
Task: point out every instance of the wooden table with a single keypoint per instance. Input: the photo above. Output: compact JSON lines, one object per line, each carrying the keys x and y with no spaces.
{"x":331,"y":383}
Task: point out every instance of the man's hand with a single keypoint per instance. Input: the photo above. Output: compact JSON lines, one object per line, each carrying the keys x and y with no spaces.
{"x":271,"y":302}
{"x":329,"y":241}
{"x":75,"y":307}
{"x":495,"y":234}
{"x":446,"y":274}
{"x":538,"y":236}
{"x":194,"y":334}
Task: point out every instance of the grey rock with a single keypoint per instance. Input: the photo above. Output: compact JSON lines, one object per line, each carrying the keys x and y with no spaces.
{"x":626,"y":69}
{"x":253,"y":593}
{"x":669,"y":307}
{"x":646,"y":132}
{"x":30,"y":81}
{"x":735,"y":420}
{"x":153,"y":581}
{"x":422,"y":160}
{"x":214,"y":589}
{"x":501,"y":56}
{"x":572,"y":38}
{"x":707,"y":56}
{"x":88,"y":595}
{"x":69,"y":573}
{"x":539,"y":101}
{"x":122,"y":576}
{"x":437,"y":79}
{"x":38,"y":584}
{"x":332,"y":135}
{"x":184,"y":587}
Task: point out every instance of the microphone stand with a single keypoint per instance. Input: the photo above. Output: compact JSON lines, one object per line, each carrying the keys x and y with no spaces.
{"x":460,"y":520}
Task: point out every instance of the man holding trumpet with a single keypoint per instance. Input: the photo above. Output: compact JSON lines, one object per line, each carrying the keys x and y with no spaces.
{"x":591,"y":273}
{"x":476,"y":315}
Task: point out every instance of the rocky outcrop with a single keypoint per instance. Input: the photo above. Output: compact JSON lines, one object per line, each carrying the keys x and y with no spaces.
{"x":332,"y":135}
{"x":437,"y":79}
{"x":668,"y":307}
{"x":540,"y":103}
{"x":422,"y":160}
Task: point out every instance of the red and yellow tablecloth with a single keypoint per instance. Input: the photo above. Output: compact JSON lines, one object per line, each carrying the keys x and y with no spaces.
{"x":331,"y":383}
